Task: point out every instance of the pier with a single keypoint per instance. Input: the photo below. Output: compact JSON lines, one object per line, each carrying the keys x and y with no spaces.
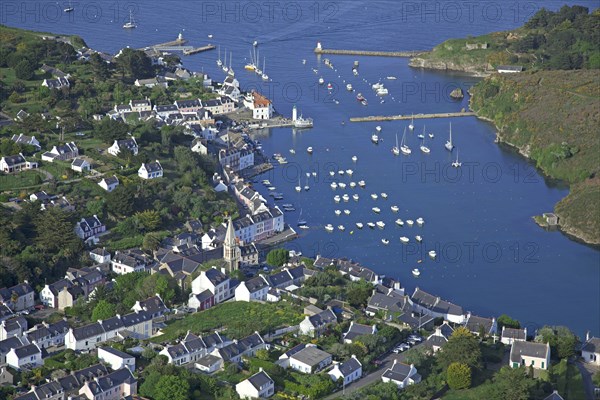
{"x":195,"y":50}
{"x":179,"y":42}
{"x":411,"y":53}
{"x":416,"y":116}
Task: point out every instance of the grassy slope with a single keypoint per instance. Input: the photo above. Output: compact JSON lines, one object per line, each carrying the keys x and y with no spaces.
{"x":552,"y":117}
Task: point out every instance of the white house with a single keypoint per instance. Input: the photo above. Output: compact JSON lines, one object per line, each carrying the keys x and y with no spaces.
{"x":429,"y":304}
{"x":309,"y":359}
{"x":109,"y":184}
{"x":209,"y":364}
{"x":88,"y":337}
{"x":80,"y":165}
{"x":476,"y":325}
{"x":261,"y":107}
{"x":24,"y":357}
{"x":590,"y":352}
{"x":12,"y":327}
{"x":356,"y":330}
{"x":100,"y":255}
{"x":315,"y":325}
{"x":19,"y":297}
{"x":193,"y":348}
{"x":116,"y":358}
{"x":510,"y":335}
{"x":28,"y":140}
{"x":252,"y":290}
{"x":63,"y":152}
{"x":246,"y":347}
{"x":49,"y":294}
{"x":128,"y":261}
{"x":151,"y":170}
{"x":526,"y":354}
{"x":114,"y":386}
{"x":89,"y":227}
{"x":258,"y":386}
{"x":215,"y":281}
{"x":349,"y":371}
{"x":401,"y":374}
{"x":125,"y":144}
{"x":17,"y":163}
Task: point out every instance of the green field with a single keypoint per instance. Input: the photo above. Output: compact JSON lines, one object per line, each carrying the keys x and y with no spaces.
{"x":237,"y":319}
{"x":20,"y":180}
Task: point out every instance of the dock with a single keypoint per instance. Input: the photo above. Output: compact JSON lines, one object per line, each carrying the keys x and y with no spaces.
{"x":412,"y":53}
{"x":180,"y":41}
{"x":195,"y":50}
{"x":416,"y":116}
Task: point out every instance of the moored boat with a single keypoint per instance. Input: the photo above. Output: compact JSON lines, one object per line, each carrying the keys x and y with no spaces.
{"x":376,"y":210}
{"x":329,"y":228}
{"x":380,"y":224}
{"x":404,"y":239}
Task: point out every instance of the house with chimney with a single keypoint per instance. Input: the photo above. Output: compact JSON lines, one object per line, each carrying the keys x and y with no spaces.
{"x":128,"y":145}
{"x":89,"y":227}
{"x":63,"y":152}
{"x":192,"y":348}
{"x":114,"y":386}
{"x":19,"y":297}
{"x":258,"y":386}
{"x":16,"y":163}
{"x":151,"y":170}
{"x":530,"y":354}
{"x":316,"y":325}
{"x":347,"y":371}
{"x":401,"y":374}
{"x":109,"y":183}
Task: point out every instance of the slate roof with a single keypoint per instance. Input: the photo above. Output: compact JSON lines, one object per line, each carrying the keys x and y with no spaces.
{"x":474,"y":324}
{"x":117,"y":353}
{"x":592,"y":345}
{"x":255,"y":284}
{"x":14,"y":160}
{"x":349,"y":366}
{"x":398,"y":372}
{"x":380,"y":301}
{"x":21,"y":289}
{"x":208,"y":360}
{"x":215,"y":276}
{"x":435,"y":304}
{"x":554,"y":396}
{"x":260,"y":379}
{"x":356,"y":330}
{"x":311,"y":356}
{"x":153,"y":166}
{"x":528,"y":349}
{"x":153,"y":305}
{"x":323,"y":318}
{"x":112,"y":380}
{"x":513,"y":333}
{"x":11,"y":343}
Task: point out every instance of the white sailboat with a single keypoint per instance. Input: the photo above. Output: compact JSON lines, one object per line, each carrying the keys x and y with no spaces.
{"x":258,"y":70}
{"x":403,"y":147}
{"x":225,"y":68}
{"x":298,"y":188}
{"x":131,"y":24}
{"x":251,"y":66}
{"x":411,"y":126}
{"x":449,"y":146}
{"x":264,"y":75}
{"x":422,"y":135}
{"x":396,"y":149}
{"x":456,"y":164}
{"x":219,"y":62}
{"x":69,"y":7}
{"x":306,"y":187}
{"x":424,"y":148}
{"x":230,"y":72}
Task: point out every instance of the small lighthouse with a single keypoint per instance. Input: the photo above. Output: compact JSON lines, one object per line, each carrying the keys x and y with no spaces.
{"x":294,"y":113}
{"x":318,"y":48}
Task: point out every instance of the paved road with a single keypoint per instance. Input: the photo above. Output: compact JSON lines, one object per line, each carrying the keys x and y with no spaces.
{"x":373,"y":376}
{"x":587,"y":371}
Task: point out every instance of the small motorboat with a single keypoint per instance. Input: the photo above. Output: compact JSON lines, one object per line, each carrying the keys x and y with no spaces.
{"x":272,"y":188}
{"x":336,"y":198}
{"x":380,"y":224}
{"x":376,"y":210}
{"x":385,"y":241}
{"x":404,"y":239}
{"x":338,"y":212}
{"x":375,"y":138}
{"x":354,"y":158}
{"x":416,"y":272}
{"x":395,"y":208}
{"x":349,"y":87}
{"x":304,"y":227}
{"x":391,"y":78}
{"x":349,"y":172}
{"x":321,"y":81}
{"x":292,"y":151}
{"x":399,"y":222}
{"x":329,"y":86}
{"x":378,"y":128}
{"x":341,"y":172}
{"x":266,"y":182}
{"x":331,"y":173}
{"x":359,"y":225}
{"x":342,"y":185}
{"x":371,"y":225}
{"x":409,"y":222}
{"x":329,"y":228}
{"x":418,"y":238}
{"x":303,"y":61}
{"x":346,"y":197}
{"x":355,"y":197}
{"x":309,"y":150}
{"x":341,"y":227}
{"x":431,"y":136}
{"x":384,"y":195}
{"x":333,"y":185}
{"x":347,"y":212}
{"x":420,"y":221}
{"x":362,"y":184}
{"x":374,"y":196}
{"x":432,"y":254}
{"x":353,"y":184}
{"x":314,"y":174}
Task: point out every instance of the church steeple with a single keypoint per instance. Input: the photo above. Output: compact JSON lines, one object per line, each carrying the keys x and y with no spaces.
{"x":231,"y":251}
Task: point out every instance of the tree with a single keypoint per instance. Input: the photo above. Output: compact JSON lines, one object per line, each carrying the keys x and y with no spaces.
{"x":510,"y":384}
{"x":505,"y":320}
{"x":103,"y":310}
{"x":462,"y":347}
{"x":25,"y":70}
{"x":562,"y":341}
{"x":134,"y":63}
{"x":55,"y":233}
{"x":278,"y":257}
{"x":151,"y":241}
{"x":149,"y":219}
{"x":358,"y":293}
{"x":458,"y":376}
{"x":596,"y":378}
{"x":121,"y":200}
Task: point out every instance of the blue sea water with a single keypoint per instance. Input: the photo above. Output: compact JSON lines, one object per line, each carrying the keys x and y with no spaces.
{"x":492,"y":258}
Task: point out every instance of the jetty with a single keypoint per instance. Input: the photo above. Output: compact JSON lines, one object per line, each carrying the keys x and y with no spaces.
{"x":411,"y":53}
{"x":179,"y":42}
{"x":195,"y":50}
{"x":375,"y":118}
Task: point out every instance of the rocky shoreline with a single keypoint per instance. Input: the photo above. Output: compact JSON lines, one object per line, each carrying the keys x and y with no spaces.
{"x":565,"y":228}
{"x":474,"y":70}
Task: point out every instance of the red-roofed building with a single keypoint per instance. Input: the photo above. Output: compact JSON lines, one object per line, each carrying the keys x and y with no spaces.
{"x":261,"y":107}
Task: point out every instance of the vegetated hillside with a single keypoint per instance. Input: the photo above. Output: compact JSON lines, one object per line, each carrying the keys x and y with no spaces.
{"x":565,"y":39}
{"x":553,"y":118}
